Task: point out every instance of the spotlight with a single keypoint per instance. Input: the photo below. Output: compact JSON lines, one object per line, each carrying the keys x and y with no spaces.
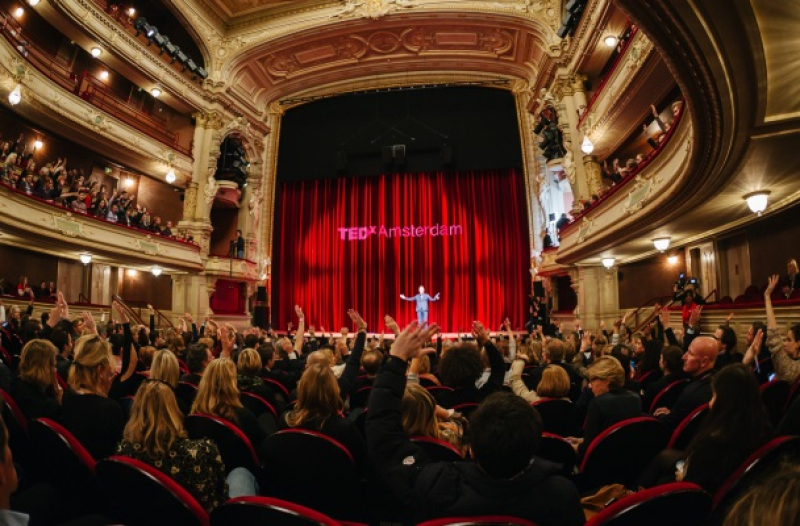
{"x":15,"y":96}
{"x":757,"y":201}
{"x":18,"y":12}
{"x":155,"y":92}
{"x":170,"y":177}
{"x":96,"y":51}
{"x":587,"y":146}
{"x":162,"y":42}
{"x":608,"y":262}
{"x":610,"y":41}
{"x":157,"y":271}
{"x":661,"y":243}
{"x":37,"y":144}
{"x":86,"y":259}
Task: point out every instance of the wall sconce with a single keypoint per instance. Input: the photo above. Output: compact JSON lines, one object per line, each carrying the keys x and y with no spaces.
{"x":170,"y":177}
{"x":86,"y":259}
{"x":131,"y":12}
{"x":610,"y":41}
{"x":673,"y":259}
{"x":104,"y":75}
{"x":608,"y":262}
{"x":96,"y":51}
{"x":132,"y":272}
{"x":33,"y":3}
{"x":18,"y":12}
{"x":15,"y":96}
{"x":661,"y":243}
{"x":157,"y":271}
{"x":155,"y":92}
{"x":757,"y":201}
{"x":37,"y":144}
{"x":587,"y":146}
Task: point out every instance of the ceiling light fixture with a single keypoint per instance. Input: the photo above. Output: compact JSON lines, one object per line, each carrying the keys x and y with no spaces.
{"x":157,"y":271}
{"x":757,"y":201}
{"x":86,"y":259}
{"x":661,"y":243}
{"x":608,"y":262}
{"x":587,"y":146}
{"x":33,"y":3}
{"x":610,"y":41}
{"x":15,"y":96}
{"x":170,"y":177}
{"x":155,"y":92}
{"x":96,"y":51}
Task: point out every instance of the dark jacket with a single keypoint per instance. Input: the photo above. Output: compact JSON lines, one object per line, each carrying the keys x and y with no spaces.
{"x":652,"y":390}
{"x":696,"y":393}
{"x":444,"y":489}
{"x":96,"y":421}
{"x":606,"y":410}
{"x":33,"y":401}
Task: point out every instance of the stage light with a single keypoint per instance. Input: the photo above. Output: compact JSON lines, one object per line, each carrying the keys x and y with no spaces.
{"x":155,"y":92}
{"x":608,"y":262}
{"x":37,"y":144}
{"x":104,"y":75}
{"x":610,"y":41}
{"x":661,"y":243}
{"x":757,"y":201}
{"x":15,"y":96}
{"x":96,"y":51}
{"x":18,"y":12}
{"x":86,"y":259}
{"x":157,"y":271}
{"x":587,"y":146}
{"x":170,"y":177}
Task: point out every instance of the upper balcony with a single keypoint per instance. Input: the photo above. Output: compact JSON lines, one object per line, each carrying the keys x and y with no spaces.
{"x":56,"y":98}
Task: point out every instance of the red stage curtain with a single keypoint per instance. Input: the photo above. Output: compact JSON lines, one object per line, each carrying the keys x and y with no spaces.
{"x":482,"y":273}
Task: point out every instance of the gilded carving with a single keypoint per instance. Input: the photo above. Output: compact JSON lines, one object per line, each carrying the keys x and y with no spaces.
{"x":373,"y":9}
{"x":190,"y":202}
{"x":594,"y":174}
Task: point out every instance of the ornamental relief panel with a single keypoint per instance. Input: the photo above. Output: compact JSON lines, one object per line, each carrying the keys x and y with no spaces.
{"x":465,"y":40}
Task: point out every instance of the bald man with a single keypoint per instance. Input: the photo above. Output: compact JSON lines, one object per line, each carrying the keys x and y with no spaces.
{"x":698,"y":363}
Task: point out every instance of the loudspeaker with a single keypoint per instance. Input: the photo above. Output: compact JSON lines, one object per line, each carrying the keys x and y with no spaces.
{"x":538,"y":289}
{"x":260,"y":309}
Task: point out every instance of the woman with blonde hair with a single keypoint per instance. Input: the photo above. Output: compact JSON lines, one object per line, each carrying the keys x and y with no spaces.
{"x":249,"y":364}
{"x":612,"y":403}
{"x":319,"y":408}
{"x":218,"y":395}
{"x":36,"y":391}
{"x":155,"y":435}
{"x":86,"y":411}
{"x":554,"y":383}
{"x":420,"y":418}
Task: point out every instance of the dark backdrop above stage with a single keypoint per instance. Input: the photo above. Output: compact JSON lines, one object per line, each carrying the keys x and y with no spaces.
{"x":361,"y":242}
{"x":346,"y":135}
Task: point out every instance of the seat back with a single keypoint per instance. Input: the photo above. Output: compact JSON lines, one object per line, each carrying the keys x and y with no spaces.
{"x":279,"y":389}
{"x":678,"y":503}
{"x":794,"y":392}
{"x":139,"y":494}
{"x":774,"y":395}
{"x":688,"y":427}
{"x":438,"y":450}
{"x":233,"y":444}
{"x":267,"y":510}
{"x":466,"y":409}
{"x":62,"y":460}
{"x":266,"y":414}
{"x":619,"y":454}
{"x":777,"y":451}
{"x":17,"y":425}
{"x":669,"y":395}
{"x":559,"y":417}
{"x":311,"y":469}
{"x":360,"y":397}
{"x":185,"y":392}
{"x":556,"y":449}
{"x":496,"y":520}
{"x":650,"y":377}
{"x":433,"y":389}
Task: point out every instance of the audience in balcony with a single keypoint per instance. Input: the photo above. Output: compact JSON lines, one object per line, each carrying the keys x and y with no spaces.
{"x":792,"y":282}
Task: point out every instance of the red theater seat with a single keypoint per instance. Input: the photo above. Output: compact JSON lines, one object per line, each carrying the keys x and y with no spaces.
{"x":680,"y":503}
{"x":267,"y":510}
{"x":688,"y":427}
{"x":497,"y":520}
{"x":438,"y":450}
{"x":668,"y":395}
{"x":560,"y":417}
{"x":774,"y":394}
{"x":233,"y":444}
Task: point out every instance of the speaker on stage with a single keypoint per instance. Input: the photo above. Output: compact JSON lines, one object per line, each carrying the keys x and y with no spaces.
{"x":260,"y":310}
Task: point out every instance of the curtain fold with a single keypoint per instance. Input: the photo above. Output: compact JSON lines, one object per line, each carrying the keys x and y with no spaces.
{"x":361,"y":242}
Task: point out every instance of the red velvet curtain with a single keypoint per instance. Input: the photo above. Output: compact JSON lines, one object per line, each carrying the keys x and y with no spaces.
{"x":463,"y":235}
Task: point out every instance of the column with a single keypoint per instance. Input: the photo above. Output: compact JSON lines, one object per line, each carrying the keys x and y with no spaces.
{"x":598,"y":294}
{"x":270,"y":163}
{"x":536,"y":220}
{"x":594,"y":174}
{"x":570,"y":96}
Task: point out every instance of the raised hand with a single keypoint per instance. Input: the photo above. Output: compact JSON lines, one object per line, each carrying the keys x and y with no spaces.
{"x":408,"y":344}
{"x":123,"y":317}
{"x":359,"y":322}
{"x":299,"y":312}
{"x":62,"y":303}
{"x":729,"y":318}
{"x":665,"y":316}
{"x":773,"y":282}
{"x":479,"y":332}
{"x":694,"y":319}
{"x":88,"y":322}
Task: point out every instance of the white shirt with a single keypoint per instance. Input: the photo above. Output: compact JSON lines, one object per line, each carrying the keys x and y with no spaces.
{"x":13,"y":518}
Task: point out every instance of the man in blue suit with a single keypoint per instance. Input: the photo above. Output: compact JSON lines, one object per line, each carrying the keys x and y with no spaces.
{"x":422,"y":300}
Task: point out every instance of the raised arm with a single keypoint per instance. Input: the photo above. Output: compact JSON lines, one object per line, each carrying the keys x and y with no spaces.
{"x":785,"y":368}
{"x":391,"y":325}
{"x":771,"y":322}
{"x":407,"y":298}
{"x":301,"y":329}
{"x":347,"y":380}
{"x":496,"y":364}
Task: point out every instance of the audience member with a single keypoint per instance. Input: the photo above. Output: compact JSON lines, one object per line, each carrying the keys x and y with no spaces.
{"x":784,"y":354}
{"x":36,"y":391}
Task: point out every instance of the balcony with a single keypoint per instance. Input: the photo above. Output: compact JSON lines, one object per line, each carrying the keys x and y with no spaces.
{"x":88,"y":88}
{"x":232,"y":269}
{"x":31,"y":221}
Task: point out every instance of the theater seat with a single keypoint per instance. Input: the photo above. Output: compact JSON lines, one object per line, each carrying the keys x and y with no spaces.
{"x":619,"y":454}
{"x":185,"y":392}
{"x":311,"y":469}
{"x":360,"y":397}
{"x":794,"y":392}
{"x":141,"y":495}
{"x":466,"y":409}
{"x":438,"y":450}
{"x":650,"y":377}
{"x":279,"y":389}
{"x":556,"y":449}
{"x":774,"y":394}
{"x":266,"y":414}
{"x":668,"y":505}
{"x":17,"y":425}
{"x":559,"y":417}
{"x":668,"y":395}
{"x":687,"y":429}
{"x":267,"y":510}
{"x":233,"y":444}
{"x":433,"y":389}
{"x":497,"y":520}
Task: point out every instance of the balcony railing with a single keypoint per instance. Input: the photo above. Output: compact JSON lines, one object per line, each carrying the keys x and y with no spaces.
{"x":90,"y":89}
{"x":609,"y":74}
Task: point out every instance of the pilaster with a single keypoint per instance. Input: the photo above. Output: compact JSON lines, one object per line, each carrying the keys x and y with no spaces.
{"x":598,"y":294}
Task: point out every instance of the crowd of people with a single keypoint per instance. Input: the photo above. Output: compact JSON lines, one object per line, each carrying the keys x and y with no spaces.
{"x":74,"y":190}
{"x":119,"y":388}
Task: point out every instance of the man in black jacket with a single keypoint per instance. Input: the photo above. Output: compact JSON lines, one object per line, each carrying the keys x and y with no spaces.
{"x":698,"y":363}
{"x":507,"y":478}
